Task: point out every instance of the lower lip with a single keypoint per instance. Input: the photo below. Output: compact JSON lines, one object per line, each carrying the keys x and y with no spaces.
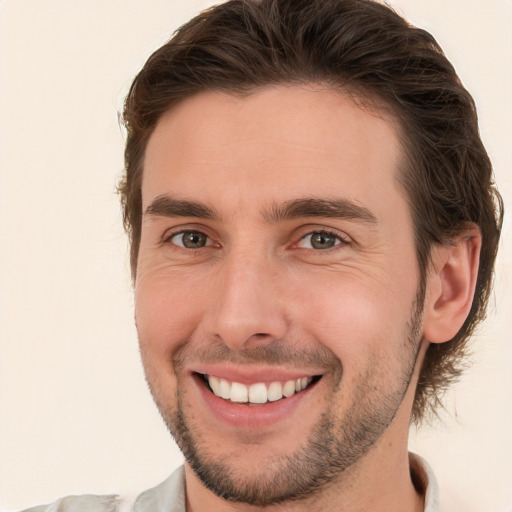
{"x":250,"y":416}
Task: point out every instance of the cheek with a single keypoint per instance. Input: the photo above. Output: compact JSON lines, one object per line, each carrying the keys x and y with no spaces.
{"x":165,"y":313}
{"x":358,"y":319}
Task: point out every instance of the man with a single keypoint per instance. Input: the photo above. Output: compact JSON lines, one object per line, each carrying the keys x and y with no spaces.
{"x":313,"y":229}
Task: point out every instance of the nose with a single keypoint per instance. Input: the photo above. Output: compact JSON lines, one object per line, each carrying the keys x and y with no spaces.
{"x":246,"y":309}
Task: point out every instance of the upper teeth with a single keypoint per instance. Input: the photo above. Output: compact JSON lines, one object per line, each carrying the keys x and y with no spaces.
{"x":258,"y":393}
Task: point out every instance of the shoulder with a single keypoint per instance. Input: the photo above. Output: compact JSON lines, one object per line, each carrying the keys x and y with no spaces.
{"x":168,"y":496}
{"x":84,"y":503}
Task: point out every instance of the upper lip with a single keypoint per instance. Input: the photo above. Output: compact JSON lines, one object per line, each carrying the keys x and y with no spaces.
{"x":248,"y":374}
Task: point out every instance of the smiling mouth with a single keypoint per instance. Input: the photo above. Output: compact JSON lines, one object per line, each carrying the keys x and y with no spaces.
{"x":259,"y":392}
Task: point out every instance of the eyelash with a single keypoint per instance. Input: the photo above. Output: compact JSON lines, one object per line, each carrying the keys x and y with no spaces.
{"x":167,"y":238}
{"x":340,"y":240}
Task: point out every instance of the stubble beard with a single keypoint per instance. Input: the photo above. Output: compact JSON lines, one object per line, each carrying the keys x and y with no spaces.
{"x":334,"y":445}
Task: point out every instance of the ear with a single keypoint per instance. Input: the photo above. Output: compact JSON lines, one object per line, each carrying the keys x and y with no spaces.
{"x":451,"y":285}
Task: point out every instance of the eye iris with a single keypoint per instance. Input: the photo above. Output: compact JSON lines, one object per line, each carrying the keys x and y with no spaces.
{"x":193,"y":240}
{"x":322,"y":241}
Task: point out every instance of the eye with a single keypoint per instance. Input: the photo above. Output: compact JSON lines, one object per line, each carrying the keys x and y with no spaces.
{"x":189,"y":239}
{"x":320,"y":240}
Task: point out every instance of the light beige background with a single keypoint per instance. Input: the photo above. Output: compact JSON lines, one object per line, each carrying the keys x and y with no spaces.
{"x":75,"y":412}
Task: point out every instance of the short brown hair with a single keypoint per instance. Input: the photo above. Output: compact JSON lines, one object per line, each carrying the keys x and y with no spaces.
{"x":359,"y":46}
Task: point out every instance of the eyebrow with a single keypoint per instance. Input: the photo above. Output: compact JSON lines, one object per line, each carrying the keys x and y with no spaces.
{"x":328,"y":208}
{"x":166,"y":206}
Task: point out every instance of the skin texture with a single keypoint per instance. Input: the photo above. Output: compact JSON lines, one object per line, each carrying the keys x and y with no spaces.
{"x":303,"y":265}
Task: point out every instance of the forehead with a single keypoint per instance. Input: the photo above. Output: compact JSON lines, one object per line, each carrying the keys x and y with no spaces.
{"x":275,"y":144}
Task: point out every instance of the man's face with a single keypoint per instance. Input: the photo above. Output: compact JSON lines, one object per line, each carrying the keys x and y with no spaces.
{"x":277,"y":254}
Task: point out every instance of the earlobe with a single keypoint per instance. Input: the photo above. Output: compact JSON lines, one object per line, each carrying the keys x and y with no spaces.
{"x":451,"y":285}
